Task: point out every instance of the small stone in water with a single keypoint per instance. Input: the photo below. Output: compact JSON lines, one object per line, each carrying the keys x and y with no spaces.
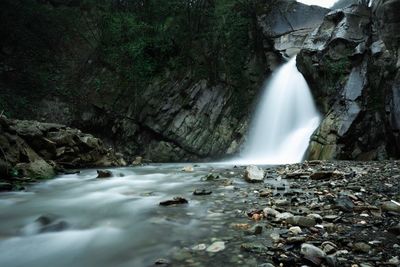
{"x":253,"y":174}
{"x":104,"y":174}
{"x":175,"y":200}
{"x":361,"y":247}
{"x":216,"y":247}
{"x":199,"y":247}
{"x":201,"y":192}
{"x":301,"y":221}
{"x":391,"y":206}
{"x":188,"y":168}
{"x":312,"y":253}
{"x":295,"y":230}
{"x":162,"y":262}
{"x":270,"y":212}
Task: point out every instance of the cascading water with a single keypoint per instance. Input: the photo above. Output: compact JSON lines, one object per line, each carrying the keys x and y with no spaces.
{"x":284,"y":121}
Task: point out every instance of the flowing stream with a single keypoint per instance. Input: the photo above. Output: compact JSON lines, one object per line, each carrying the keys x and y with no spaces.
{"x":83,"y":221}
{"x":101,"y":222}
{"x":285,"y":119}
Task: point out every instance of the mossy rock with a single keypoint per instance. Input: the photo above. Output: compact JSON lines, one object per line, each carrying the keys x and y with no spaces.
{"x":38,"y":169}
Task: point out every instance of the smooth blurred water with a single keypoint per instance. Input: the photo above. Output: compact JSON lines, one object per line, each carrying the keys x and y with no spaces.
{"x":111,"y":222}
{"x":285,"y":119}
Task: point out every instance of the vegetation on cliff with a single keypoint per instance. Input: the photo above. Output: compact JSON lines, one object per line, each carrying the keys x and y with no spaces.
{"x":47,"y":47}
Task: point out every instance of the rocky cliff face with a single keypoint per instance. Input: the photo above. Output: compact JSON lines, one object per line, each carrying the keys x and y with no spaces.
{"x":351,"y":64}
{"x":177,"y":116}
{"x":289,"y":24}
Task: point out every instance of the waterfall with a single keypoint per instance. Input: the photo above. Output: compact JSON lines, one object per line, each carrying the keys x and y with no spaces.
{"x":284,"y":120}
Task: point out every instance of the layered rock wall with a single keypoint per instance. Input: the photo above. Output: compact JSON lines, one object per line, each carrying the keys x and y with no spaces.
{"x":350,"y":62}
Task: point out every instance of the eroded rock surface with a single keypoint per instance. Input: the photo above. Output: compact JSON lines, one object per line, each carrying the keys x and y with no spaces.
{"x":351,"y":64}
{"x":31,"y":149}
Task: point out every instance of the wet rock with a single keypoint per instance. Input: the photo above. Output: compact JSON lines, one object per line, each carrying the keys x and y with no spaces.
{"x":199,"y":247}
{"x":391,"y":206}
{"x":69,"y":172}
{"x":5,"y":186}
{"x":137,"y":161}
{"x":323,"y":175}
{"x":45,"y":224}
{"x":328,"y":247}
{"x":162,"y":263}
{"x":275,"y":237}
{"x":312,"y":253}
{"x":188,"y":168}
{"x":395,"y":261}
{"x":316,"y":217}
{"x":330,"y":217}
{"x":36,"y":150}
{"x":104,"y":174}
{"x":284,"y":216}
{"x":295,"y":230}
{"x":253,"y":174}
{"x":255,"y":230}
{"x":201,"y":192}
{"x":344,"y":203}
{"x":210,"y":177}
{"x":216,"y":247}
{"x":298,"y":175}
{"x":174,"y":201}
{"x":270,"y":212}
{"x":253,"y":248}
{"x":281,"y":202}
{"x":301,"y":221}
{"x":395,"y":229}
{"x":296,"y":239}
{"x":361,"y":247}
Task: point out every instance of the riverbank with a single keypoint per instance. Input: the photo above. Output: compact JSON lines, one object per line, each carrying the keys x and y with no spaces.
{"x":315,"y":213}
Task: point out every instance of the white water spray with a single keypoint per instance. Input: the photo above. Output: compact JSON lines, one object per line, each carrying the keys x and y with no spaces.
{"x":284,"y":121}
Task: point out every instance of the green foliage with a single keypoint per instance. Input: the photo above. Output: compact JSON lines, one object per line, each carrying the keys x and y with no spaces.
{"x":336,"y":71}
{"x":207,"y":39}
{"x":135,"y":41}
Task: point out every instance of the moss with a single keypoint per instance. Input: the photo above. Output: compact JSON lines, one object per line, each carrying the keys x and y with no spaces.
{"x":336,"y":71}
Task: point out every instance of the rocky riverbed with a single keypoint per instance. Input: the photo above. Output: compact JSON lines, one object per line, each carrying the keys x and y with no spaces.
{"x":311,"y":214}
{"x":316,"y":213}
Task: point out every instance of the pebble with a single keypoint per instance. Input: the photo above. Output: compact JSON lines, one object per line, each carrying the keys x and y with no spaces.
{"x":330,"y":218}
{"x":361,"y":247}
{"x":188,"y":168}
{"x":104,"y":174}
{"x":284,"y":216}
{"x":253,"y":174}
{"x":216,"y":247}
{"x":395,"y":260}
{"x":174,"y":201}
{"x":312,"y":253}
{"x":390,"y":206}
{"x":199,"y":247}
{"x":255,"y":230}
{"x":270,"y":212}
{"x":201,"y":192}
{"x":301,"y":221}
{"x":328,"y":247}
{"x":295,"y":230}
